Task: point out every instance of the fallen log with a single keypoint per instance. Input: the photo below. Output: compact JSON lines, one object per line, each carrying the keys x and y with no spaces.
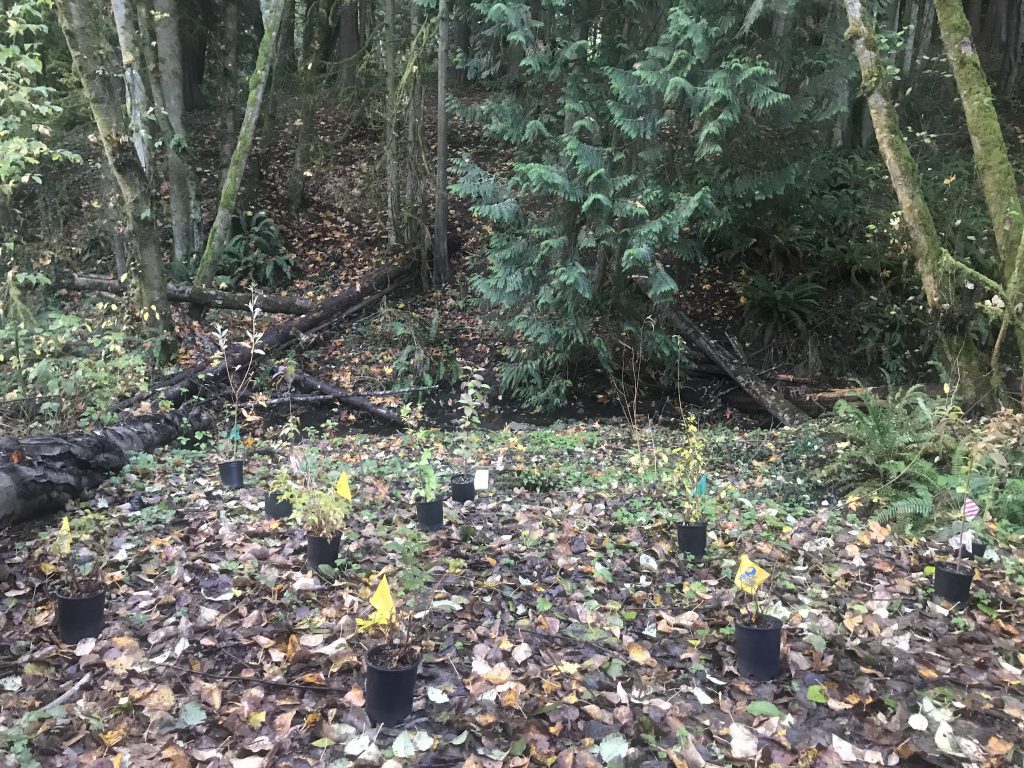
{"x":203,"y":297}
{"x":352,"y":400}
{"x":39,"y":475}
{"x":773,"y":402}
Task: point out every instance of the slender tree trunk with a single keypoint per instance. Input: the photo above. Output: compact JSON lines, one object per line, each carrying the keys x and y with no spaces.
{"x":81,"y":21}
{"x":994,"y":36}
{"x":197,"y":18}
{"x":913,"y":11}
{"x":135,"y":88}
{"x":221,"y":228}
{"x":286,"y":56}
{"x":310,"y":85}
{"x":930,"y":258}
{"x":927,"y":33}
{"x":442,"y":265}
{"x":416,"y":214}
{"x":227,"y":82}
{"x":462,"y":38}
{"x":1013,"y":57}
{"x":186,"y":214}
{"x":991,"y":159}
{"x":390,"y":132}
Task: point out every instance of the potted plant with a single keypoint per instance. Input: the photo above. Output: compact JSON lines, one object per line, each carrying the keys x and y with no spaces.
{"x":952,"y":579}
{"x":472,"y":400}
{"x":81,"y":595}
{"x":429,"y":508}
{"x":277,"y":502}
{"x":320,"y":511}
{"x":692,"y":530}
{"x":239,"y":366}
{"x":393,"y":663}
{"x":759,"y":637}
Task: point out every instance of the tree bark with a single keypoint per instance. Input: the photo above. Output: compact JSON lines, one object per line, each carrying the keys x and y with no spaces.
{"x":392,"y":210}
{"x":1013,"y":57}
{"x":348,"y":47}
{"x":310,"y":85}
{"x":286,"y":57}
{"x":39,"y":475}
{"x":931,"y":259}
{"x":442,"y":265}
{"x":994,"y":34}
{"x":135,"y":89}
{"x":227,"y":82}
{"x":204,"y":297}
{"x":186,"y":213}
{"x":81,"y":21}
{"x":780,"y":409}
{"x":221,"y":228}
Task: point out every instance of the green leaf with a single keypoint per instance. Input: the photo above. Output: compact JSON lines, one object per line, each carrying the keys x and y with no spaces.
{"x":323,"y":743}
{"x":763,"y":709}
{"x":191,"y":714}
{"x":817,"y":693}
{"x":543,"y":604}
{"x":613,"y":747}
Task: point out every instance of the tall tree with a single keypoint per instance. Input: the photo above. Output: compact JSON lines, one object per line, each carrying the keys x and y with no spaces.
{"x":221,"y":229}
{"x":442,"y":264}
{"x":139,"y":106}
{"x":318,"y":17}
{"x":83,"y":23}
{"x":392,"y":202}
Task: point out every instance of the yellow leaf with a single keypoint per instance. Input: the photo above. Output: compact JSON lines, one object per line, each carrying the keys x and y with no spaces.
{"x":342,"y":487}
{"x":384,"y":605}
{"x":256,"y":719}
{"x":47,"y":568}
{"x":64,"y":538}
{"x":114,"y":735}
{"x":639,"y":654}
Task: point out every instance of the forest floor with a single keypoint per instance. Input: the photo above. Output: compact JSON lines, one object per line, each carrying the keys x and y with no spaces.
{"x":563,"y":627}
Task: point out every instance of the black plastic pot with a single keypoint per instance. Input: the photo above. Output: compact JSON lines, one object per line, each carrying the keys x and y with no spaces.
{"x":463,"y":488}
{"x":978,"y":547}
{"x":693,"y":538}
{"x":275,"y":507}
{"x":953,"y":582}
{"x":321,"y":551}
{"x":758,"y":648}
{"x":430,"y":515}
{"x":389,"y":691}
{"x":231,"y":473}
{"x":80,"y":617}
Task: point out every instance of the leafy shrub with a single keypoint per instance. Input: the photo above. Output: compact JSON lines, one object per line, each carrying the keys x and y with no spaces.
{"x":256,"y":254}
{"x":792,"y":303}
{"x":425,"y":356}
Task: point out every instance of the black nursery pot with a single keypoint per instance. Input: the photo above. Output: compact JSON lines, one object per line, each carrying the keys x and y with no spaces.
{"x":80,"y":617}
{"x":430,"y":515}
{"x":978,"y":547}
{"x":275,"y":507}
{"x":953,"y":582}
{"x":389,"y":691}
{"x":321,"y":551}
{"x":758,"y":648}
{"x":693,"y":539}
{"x":231,"y":473}
{"x":463,"y":488}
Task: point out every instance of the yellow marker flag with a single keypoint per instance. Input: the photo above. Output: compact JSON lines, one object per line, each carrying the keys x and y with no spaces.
{"x":749,"y":575}
{"x":342,"y":487}
{"x":385,"y":607}
{"x":64,"y":537}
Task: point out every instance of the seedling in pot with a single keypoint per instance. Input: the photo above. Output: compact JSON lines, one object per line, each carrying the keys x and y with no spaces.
{"x":81,"y":595}
{"x":393,"y":663}
{"x":321,"y":498}
{"x":472,"y":400}
{"x":952,"y":580}
{"x":759,"y":638}
{"x":239,"y":366}
{"x":429,"y":509}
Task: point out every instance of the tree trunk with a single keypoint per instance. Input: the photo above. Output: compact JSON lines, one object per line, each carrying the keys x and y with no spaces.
{"x":913,"y":11}
{"x":931,"y":259}
{"x":310,"y":85}
{"x":81,"y":21}
{"x":781,"y":409}
{"x":348,"y":47}
{"x":462,"y":38}
{"x":188,"y":220}
{"x":442,"y":264}
{"x":221,"y":228}
{"x":135,"y":89}
{"x":390,"y":133}
{"x":974,"y":8}
{"x":991,"y":159}
{"x":204,"y":297}
{"x":994,"y":35}
{"x":196,"y":19}
{"x":1013,"y":57}
{"x":227,"y":83}
{"x":416,"y":228}
{"x":286,"y":56}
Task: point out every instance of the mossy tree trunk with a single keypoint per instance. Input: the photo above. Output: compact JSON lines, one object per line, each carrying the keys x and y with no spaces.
{"x":931,"y":260}
{"x":221,"y":228}
{"x":991,"y":159}
{"x":82,"y":22}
